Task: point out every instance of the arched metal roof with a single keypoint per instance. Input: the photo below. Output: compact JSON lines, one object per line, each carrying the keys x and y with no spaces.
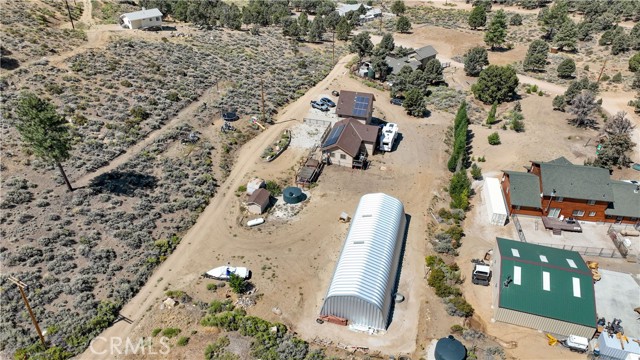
{"x":363,"y":281}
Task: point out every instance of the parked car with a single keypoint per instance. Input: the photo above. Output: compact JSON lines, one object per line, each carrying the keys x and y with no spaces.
{"x":335,"y":93}
{"x":327,"y":101}
{"x":397,"y":101}
{"x":318,"y":105}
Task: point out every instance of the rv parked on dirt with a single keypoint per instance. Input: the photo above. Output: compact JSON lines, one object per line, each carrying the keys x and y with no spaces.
{"x":388,"y":136}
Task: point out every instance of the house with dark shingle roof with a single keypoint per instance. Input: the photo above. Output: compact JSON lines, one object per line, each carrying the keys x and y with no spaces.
{"x":416,"y":59}
{"x":559,"y":188}
{"x":355,"y":105}
{"x":348,"y":140}
{"x":543,"y":288}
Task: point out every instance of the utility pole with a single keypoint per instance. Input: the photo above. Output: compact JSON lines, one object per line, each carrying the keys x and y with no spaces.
{"x":69,"y":11}
{"x":602,"y":70}
{"x":21,"y":286}
{"x":264,"y":118}
{"x":333,"y":49}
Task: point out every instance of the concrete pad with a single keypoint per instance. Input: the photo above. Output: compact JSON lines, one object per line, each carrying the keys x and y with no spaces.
{"x":617,"y":294}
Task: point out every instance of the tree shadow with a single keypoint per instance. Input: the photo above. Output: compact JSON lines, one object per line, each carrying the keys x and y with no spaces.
{"x":8,"y":63}
{"x":123,"y":182}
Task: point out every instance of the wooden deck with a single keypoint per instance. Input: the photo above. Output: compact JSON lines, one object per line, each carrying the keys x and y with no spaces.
{"x":556,"y":225}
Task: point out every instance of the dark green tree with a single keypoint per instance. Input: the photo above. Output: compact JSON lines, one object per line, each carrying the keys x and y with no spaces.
{"x":291,"y":29}
{"x":585,"y":31}
{"x":516,"y":20}
{"x":610,"y":35}
{"x":620,"y":44}
{"x":460,"y":190}
{"x":567,"y":36}
{"x":634,"y":35}
{"x":615,"y":152}
{"x":343,"y":30}
{"x":403,"y":24}
{"x":380,"y":67}
{"x":536,"y":58}
{"x":433,"y":71}
{"x":566,"y":68}
{"x":414,"y":102}
{"x":636,"y":81}
{"x":331,"y":20}
{"x":459,"y":155}
{"x":361,"y":44}
{"x":474,"y":60}
{"x":387,"y":44}
{"x":552,"y":18}
{"x":417,"y":79}
{"x":495,"y":84}
{"x":303,"y":23}
{"x":316,"y":30}
{"x":398,"y":7}
{"x":44,"y":131}
{"x":478,"y":17}
{"x":497,"y":31}
{"x":559,"y":103}
{"x":634,"y":63}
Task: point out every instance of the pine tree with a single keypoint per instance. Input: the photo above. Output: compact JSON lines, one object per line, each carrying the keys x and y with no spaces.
{"x":567,"y":36}
{"x":474,"y":60}
{"x":414,"y":103}
{"x":566,"y":68}
{"x":433,"y":71}
{"x":536,"y":58}
{"x":343,"y":30}
{"x":478,"y":17}
{"x":491,"y":119}
{"x":403,"y":24}
{"x":495,"y":84}
{"x":361,"y":44}
{"x":497,"y":31}
{"x":387,"y":43}
{"x":303,"y":23}
{"x":44,"y":131}
{"x":398,"y":7}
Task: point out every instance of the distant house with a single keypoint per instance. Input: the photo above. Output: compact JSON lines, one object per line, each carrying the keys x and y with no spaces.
{"x":416,"y":60}
{"x":259,"y":201}
{"x":371,"y":13}
{"x":141,"y":19}
{"x":356,"y":105}
{"x":543,"y":288}
{"x":561,"y":189}
{"x":349,"y":142}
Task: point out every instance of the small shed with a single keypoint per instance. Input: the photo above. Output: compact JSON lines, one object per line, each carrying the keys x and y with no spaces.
{"x":258,"y":202}
{"x":293,"y":195}
{"x":494,"y":201}
{"x":450,"y":349}
{"x":141,"y":19}
{"x":255,"y":184}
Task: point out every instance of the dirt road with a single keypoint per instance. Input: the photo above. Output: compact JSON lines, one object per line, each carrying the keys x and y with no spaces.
{"x":212,"y":222}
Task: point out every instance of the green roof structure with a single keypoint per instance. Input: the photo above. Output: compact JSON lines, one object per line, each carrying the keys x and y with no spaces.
{"x":524,"y":189}
{"x":575,"y":181}
{"x":627,"y":200}
{"x":545,"y":281}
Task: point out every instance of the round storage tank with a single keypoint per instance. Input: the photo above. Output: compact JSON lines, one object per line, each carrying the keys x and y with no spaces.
{"x":293,"y":195}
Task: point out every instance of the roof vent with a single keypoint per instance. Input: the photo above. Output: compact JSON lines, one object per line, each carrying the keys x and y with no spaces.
{"x":507,"y":281}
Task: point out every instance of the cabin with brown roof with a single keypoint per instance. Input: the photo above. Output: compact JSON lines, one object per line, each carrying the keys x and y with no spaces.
{"x":560,"y":189}
{"x":348,"y":142}
{"x":355,"y":105}
{"x":258,"y":201}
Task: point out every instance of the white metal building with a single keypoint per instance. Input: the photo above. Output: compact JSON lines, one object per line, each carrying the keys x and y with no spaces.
{"x":141,"y":19}
{"x":494,"y":200}
{"x":361,"y":289}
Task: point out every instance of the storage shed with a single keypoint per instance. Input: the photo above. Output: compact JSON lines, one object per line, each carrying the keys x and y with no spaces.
{"x":259,"y":201}
{"x":255,"y":184}
{"x":450,"y":349}
{"x":543,"y":288}
{"x":141,"y":19}
{"x":494,"y":201}
{"x":293,"y":195}
{"x":361,"y":289}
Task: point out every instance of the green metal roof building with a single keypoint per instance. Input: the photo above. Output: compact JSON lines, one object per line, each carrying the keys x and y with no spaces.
{"x":543,"y":288}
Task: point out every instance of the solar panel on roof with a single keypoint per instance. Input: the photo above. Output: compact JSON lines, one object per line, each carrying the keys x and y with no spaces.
{"x":334,"y":135}
{"x":361,"y":106}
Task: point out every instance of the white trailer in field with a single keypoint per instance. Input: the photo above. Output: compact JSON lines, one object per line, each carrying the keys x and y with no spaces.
{"x":388,"y":136}
{"x":494,"y":201}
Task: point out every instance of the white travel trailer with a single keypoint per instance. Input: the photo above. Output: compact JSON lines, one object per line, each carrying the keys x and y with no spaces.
{"x":388,"y":136}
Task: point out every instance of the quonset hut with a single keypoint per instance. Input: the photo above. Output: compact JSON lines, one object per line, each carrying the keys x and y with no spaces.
{"x":361,"y":289}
